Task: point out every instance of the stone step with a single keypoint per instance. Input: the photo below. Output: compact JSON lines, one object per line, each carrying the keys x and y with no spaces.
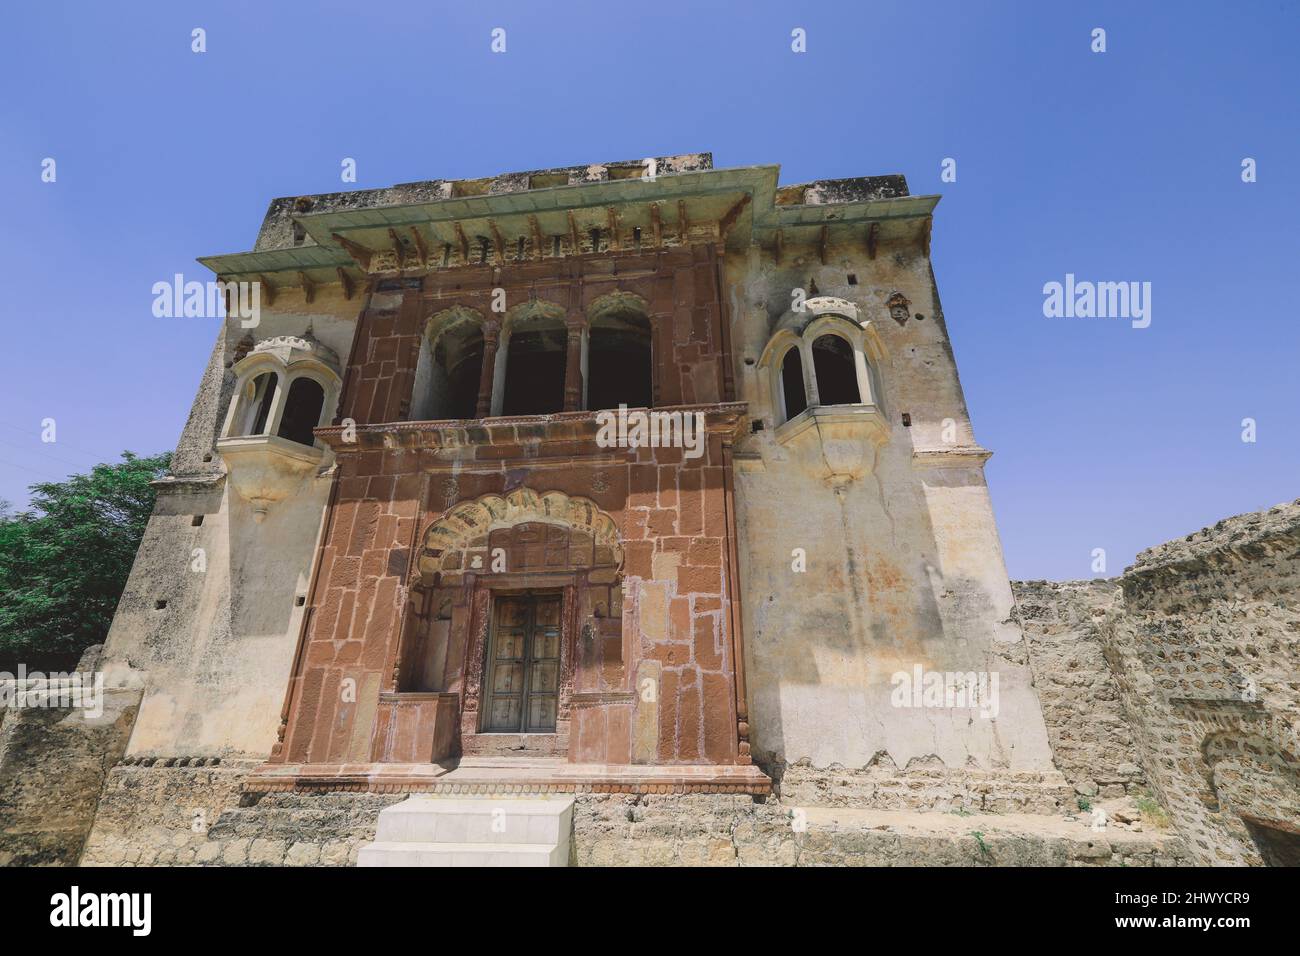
{"x":481,"y":831}
{"x":486,"y":820}
{"x":383,"y":853}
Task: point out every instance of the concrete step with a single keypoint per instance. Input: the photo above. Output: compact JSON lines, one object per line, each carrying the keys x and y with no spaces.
{"x":479,"y":831}
{"x":463,"y":854}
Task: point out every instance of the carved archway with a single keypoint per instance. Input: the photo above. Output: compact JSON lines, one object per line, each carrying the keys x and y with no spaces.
{"x":459,"y":540}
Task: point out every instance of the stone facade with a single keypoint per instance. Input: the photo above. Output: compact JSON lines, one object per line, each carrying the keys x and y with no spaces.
{"x":402,"y":551}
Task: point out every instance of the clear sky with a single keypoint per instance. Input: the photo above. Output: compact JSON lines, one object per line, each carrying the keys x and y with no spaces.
{"x":1115,"y":166}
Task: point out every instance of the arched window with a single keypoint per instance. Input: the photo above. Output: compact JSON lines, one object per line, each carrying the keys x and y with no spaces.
{"x":447,"y":374}
{"x":258,"y":396}
{"x":792,"y":387}
{"x":302,"y":410}
{"x":836,"y":371}
{"x":619,"y":362}
{"x":535,"y":358}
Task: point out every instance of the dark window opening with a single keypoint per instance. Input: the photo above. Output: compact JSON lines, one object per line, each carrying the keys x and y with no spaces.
{"x":535,"y":372}
{"x":447,"y":376}
{"x":520,"y":255}
{"x":262,"y":396}
{"x":160,"y":605}
{"x":482,"y":250}
{"x":446,"y":254}
{"x":299,"y":601}
{"x":636,"y":237}
{"x":796,"y":399}
{"x":196,"y":521}
{"x":619,"y":362}
{"x":907,"y":420}
{"x":836,"y":371}
{"x":853,"y":279}
{"x":302,"y":411}
{"x":299,"y":234}
{"x":595,"y":240}
{"x":555,"y":246}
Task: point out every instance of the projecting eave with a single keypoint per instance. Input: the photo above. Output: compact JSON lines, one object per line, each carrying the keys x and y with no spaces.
{"x":735,"y":207}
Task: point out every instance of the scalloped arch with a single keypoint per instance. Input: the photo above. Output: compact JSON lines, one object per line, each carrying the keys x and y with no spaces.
{"x":614,"y":302}
{"x":467,"y":522}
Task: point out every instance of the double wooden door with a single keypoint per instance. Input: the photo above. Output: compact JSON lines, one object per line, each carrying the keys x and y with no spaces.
{"x":523,"y":664}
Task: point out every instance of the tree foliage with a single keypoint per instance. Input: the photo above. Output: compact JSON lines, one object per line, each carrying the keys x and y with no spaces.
{"x":64,"y":561}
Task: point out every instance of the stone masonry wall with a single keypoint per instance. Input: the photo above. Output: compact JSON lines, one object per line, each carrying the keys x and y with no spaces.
{"x":53,"y":761}
{"x":197,"y":816}
{"x":1092,"y":743}
{"x":1206,"y":655}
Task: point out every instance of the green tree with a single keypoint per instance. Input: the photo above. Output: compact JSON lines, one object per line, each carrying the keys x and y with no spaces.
{"x":64,"y":561}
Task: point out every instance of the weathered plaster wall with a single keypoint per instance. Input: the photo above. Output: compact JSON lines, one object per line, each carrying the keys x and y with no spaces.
{"x":904,"y":566}
{"x":1092,"y":742}
{"x":207,"y":624}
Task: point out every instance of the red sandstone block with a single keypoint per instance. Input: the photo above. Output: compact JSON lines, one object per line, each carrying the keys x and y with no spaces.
{"x":636,"y":558}
{"x":379,"y":411}
{"x":361,"y":399}
{"x":343,"y":628}
{"x":618,"y":735}
{"x":668,"y":708}
{"x":699,"y":580}
{"x":319,"y":653}
{"x":705,"y":551}
{"x":406,"y":488}
{"x":374,"y":562}
{"x":715,"y":514}
{"x":670,"y":655}
{"x":719,"y":718}
{"x":370,"y":464}
{"x":349,"y":652}
{"x":679,"y":618}
{"x":380,"y":488}
{"x":663,"y":521}
{"x":707,"y":604}
{"x":303,"y":718}
{"x":345,"y":572}
{"x":708,"y":649}
{"x":690,"y":722}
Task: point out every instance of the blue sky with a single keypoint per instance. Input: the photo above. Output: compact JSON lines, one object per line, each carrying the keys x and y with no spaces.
{"x":1124,"y":165}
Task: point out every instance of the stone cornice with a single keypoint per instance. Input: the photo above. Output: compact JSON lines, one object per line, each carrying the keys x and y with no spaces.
{"x":723,"y":418}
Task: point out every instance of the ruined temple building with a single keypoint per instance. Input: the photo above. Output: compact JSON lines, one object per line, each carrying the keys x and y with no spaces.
{"x":402,"y":552}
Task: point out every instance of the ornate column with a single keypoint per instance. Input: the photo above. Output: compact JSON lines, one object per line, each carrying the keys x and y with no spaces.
{"x":575,"y":324}
{"x":491,"y":341}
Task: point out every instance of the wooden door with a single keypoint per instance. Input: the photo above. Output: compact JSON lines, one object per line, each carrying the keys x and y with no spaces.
{"x":523,"y":672}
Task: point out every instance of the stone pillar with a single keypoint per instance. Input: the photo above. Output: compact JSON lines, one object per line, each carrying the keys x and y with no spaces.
{"x":576,"y":327}
{"x":491,"y":341}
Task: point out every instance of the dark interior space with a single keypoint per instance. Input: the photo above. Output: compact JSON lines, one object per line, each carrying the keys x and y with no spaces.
{"x":796,"y":399}
{"x":462,"y":365}
{"x":535,"y":372}
{"x":837,"y":378}
{"x":1277,"y":847}
{"x":302,"y":411}
{"x":619,"y":363}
